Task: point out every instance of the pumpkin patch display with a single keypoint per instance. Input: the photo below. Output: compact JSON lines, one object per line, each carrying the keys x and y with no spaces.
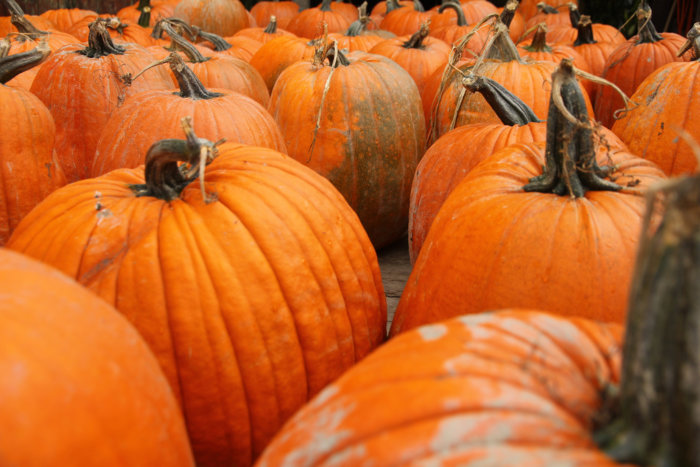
{"x":29,"y":170}
{"x":355,"y":119}
{"x":251,"y":280}
{"x":79,"y":385}
{"x":668,"y":103}
{"x":513,"y":235}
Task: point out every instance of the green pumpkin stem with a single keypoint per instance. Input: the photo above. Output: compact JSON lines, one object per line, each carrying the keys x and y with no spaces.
{"x":585,"y":31}
{"x":359,"y":26}
{"x":646,"y":32}
{"x":570,"y":168}
{"x":654,"y":416}
{"x":539,"y":40}
{"x":271,"y":27}
{"x":100,"y":43}
{"x":12,"y":65}
{"x":508,"y":12}
{"x":416,"y":40}
{"x":172,"y":164}
{"x":144,"y":7}
{"x":508,"y":107}
{"x":457,"y":7}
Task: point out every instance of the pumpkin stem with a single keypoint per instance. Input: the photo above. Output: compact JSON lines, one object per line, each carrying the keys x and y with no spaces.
{"x":180,"y":43}
{"x":418,"y":6}
{"x":5,"y":45}
{"x":646,"y":32}
{"x":271,"y":27}
{"x":165,"y":176}
{"x":692,"y":42}
{"x":190,"y":86}
{"x":100,"y":43}
{"x":13,"y":8}
{"x":26,"y":28}
{"x":656,"y":420}
{"x":325,"y":5}
{"x":539,"y":40}
{"x":12,"y":65}
{"x":500,"y":46}
{"x":546,"y":9}
{"x":359,"y":26}
{"x":457,"y":7}
{"x":574,"y":14}
{"x":144,"y":7}
{"x":585,"y":31}
{"x":392,"y":5}
{"x":331,"y":52}
{"x":509,"y":108}
{"x":571,"y":167}
{"x":220,"y":44}
{"x":416,"y":40}
{"x":508,"y":12}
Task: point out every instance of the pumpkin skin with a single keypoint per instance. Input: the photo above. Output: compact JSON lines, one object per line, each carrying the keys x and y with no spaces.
{"x":284,"y":11}
{"x":108,"y":403}
{"x":275,"y":56}
{"x":370,"y":138}
{"x":81,"y":93}
{"x":126,"y":31}
{"x":222,"y":17}
{"x":310,"y":23}
{"x":505,"y":388}
{"x":64,"y":18}
{"x":214,"y":287}
{"x":29,"y":170}
{"x":668,"y":98}
{"x":528,"y":8}
{"x":483,"y":250}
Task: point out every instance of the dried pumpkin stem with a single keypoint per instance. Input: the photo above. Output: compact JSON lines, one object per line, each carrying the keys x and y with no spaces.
{"x":271,"y":27}
{"x":508,"y":107}
{"x":100,"y":43}
{"x":220,"y":44}
{"x":13,"y":8}
{"x":25,"y":27}
{"x":574,"y":14}
{"x":182,"y":44}
{"x":539,"y":40}
{"x":508,"y":12}
{"x":693,"y":42}
{"x":416,"y":40}
{"x":570,"y":159}
{"x":165,"y":174}
{"x":543,"y":7}
{"x":585,"y":31}
{"x":656,"y":412}
{"x":12,"y":65}
{"x":646,"y":32}
{"x":5,"y":45}
{"x":392,"y":5}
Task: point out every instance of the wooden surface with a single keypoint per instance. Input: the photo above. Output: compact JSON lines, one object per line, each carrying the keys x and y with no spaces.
{"x":396,"y":267}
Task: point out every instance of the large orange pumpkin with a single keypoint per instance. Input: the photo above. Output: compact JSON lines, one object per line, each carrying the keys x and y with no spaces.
{"x":357,"y":121}
{"x":29,"y":170}
{"x":79,"y":386}
{"x":564,"y":242}
{"x":222,"y":17}
{"x":668,"y":102}
{"x":275,"y":56}
{"x":254,"y":292}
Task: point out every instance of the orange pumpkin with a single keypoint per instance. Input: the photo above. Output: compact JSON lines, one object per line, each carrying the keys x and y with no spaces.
{"x":283,"y":10}
{"x":222,"y":17}
{"x":253,"y":292}
{"x":511,"y":235}
{"x":146,"y":13}
{"x":79,"y":374}
{"x":311,"y":22}
{"x":402,"y":20}
{"x":275,"y":56}
{"x":64,"y":18}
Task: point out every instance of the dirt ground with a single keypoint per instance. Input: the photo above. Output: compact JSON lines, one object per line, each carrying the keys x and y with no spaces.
{"x":396,"y":267}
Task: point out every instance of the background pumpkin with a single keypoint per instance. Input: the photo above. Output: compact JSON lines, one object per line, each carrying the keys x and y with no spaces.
{"x":212,"y":284}
{"x":283,"y":10}
{"x":222,"y":17}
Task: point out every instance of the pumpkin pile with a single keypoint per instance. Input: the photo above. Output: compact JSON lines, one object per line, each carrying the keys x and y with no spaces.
{"x":194,"y":196}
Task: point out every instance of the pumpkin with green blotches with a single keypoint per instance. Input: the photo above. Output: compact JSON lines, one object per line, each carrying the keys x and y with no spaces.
{"x":355,"y":119}
{"x":253,"y":283}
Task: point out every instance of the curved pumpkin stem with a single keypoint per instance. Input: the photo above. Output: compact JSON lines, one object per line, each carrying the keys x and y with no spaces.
{"x":12,"y":65}
{"x":100,"y":43}
{"x":508,"y":107}
{"x":571,"y":167}
{"x":692,"y":42}
{"x":585,"y":31}
{"x":190,"y":86}
{"x":165,"y":176}
{"x":656,"y":412}
{"x":416,"y":40}
{"x":26,"y":28}
{"x":182,"y":44}
{"x":359,"y":26}
{"x":457,"y":7}
{"x":220,"y":44}
{"x":418,"y":6}
{"x":144,"y":7}
{"x":500,"y":46}
{"x":646,"y":32}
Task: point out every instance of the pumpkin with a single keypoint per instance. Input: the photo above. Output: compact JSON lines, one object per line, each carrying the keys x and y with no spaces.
{"x":357,"y":121}
{"x":146,"y":13}
{"x":357,"y":37}
{"x":382,"y":7}
{"x":595,"y":52}
{"x":212,"y":277}
{"x":473,"y":11}
{"x":81,"y":85}
{"x":668,"y":102}
{"x":64,"y":18}
{"x":222,"y":17}
{"x":265,"y":34}
{"x":348,"y":10}
{"x":402,"y":20}
{"x":454,"y":33}
{"x":551,"y":16}
{"x":567,"y":34}
{"x":79,"y":385}
{"x":117,"y":28}
{"x":275,"y":56}
{"x":28,"y":163}
{"x":419,"y":54}
{"x":283,"y":10}
{"x":630,"y":63}
{"x":311,"y":22}
{"x":513,"y":235}
{"x":150,"y":116}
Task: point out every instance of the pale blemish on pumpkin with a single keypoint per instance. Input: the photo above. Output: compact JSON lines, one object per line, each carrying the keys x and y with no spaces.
{"x":478,"y":428}
{"x":432,"y":332}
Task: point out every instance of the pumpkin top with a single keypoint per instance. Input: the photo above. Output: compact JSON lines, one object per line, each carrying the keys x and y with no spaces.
{"x":510,"y":109}
{"x":416,"y":40}
{"x":100,"y":43}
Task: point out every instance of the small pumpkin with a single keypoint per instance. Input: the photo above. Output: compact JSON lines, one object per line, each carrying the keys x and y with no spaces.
{"x":275,"y":56}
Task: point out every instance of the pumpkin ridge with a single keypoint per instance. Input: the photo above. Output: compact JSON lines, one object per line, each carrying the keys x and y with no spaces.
{"x":686,"y":117}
